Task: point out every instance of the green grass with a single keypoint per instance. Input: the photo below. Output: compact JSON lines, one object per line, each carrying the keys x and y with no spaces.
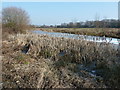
{"x":22,"y":58}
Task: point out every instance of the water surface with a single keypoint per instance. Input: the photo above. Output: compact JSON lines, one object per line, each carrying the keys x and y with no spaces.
{"x":85,"y":37}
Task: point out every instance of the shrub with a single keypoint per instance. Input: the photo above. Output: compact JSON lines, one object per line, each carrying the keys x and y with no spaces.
{"x":15,"y":19}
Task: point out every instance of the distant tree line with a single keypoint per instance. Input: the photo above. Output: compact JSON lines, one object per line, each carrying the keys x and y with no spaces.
{"x":105,"y":23}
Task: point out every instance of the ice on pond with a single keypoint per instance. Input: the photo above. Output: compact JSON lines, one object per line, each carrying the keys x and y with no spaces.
{"x":85,"y":37}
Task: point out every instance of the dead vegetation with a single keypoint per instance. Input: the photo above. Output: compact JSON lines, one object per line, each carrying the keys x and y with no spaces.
{"x":108,"y":32}
{"x":54,"y":62}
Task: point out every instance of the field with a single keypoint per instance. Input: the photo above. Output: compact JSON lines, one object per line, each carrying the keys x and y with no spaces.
{"x":40,"y":61}
{"x":32,"y":58}
{"x":108,"y":32}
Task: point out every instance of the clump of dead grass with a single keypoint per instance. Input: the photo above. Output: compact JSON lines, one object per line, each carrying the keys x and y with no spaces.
{"x":60,"y":48}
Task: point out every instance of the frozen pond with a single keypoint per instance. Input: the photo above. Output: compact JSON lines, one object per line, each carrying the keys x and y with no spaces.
{"x":85,"y":37}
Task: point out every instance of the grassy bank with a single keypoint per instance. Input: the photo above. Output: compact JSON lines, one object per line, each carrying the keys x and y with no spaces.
{"x":108,"y":32}
{"x":52,"y":62}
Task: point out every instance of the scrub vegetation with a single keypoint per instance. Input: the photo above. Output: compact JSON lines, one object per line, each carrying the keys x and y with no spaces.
{"x":53,"y":62}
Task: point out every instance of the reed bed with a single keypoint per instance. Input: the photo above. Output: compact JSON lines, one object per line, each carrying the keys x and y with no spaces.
{"x":66,"y":54}
{"x":74,"y":50}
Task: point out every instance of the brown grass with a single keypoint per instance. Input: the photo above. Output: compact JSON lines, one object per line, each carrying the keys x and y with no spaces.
{"x":53,"y":62}
{"x":77,"y":50}
{"x":108,"y":32}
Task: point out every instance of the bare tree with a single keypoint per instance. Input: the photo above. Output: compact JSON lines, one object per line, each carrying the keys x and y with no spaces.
{"x":15,"y":18}
{"x":97,"y":22}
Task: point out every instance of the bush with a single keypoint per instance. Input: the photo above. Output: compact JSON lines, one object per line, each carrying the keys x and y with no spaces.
{"x":15,"y":19}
